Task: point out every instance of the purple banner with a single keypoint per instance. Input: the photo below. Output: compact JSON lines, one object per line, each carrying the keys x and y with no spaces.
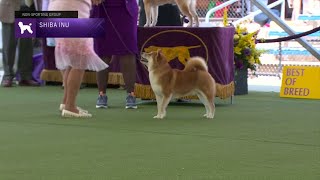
{"x":178,"y":44}
{"x":59,"y":27}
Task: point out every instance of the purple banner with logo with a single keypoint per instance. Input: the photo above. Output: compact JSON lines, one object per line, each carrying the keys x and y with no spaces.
{"x":59,"y":27}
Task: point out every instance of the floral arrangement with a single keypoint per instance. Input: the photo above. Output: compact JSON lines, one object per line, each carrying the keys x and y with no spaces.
{"x":245,"y":53}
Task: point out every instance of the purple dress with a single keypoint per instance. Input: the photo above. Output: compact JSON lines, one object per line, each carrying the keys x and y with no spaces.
{"x":121,"y":18}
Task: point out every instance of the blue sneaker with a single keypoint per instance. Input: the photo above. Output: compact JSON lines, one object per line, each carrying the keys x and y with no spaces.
{"x":102,"y":101}
{"x":131,"y":102}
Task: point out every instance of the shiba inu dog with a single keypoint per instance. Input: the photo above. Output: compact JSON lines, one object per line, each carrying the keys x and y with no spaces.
{"x":167,"y":83}
{"x":187,"y":8}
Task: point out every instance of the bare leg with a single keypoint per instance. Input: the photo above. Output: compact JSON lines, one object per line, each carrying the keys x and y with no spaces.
{"x":62,"y":74}
{"x":65,"y":74}
{"x":103,"y":76}
{"x":73,"y":85}
{"x":128,"y":69}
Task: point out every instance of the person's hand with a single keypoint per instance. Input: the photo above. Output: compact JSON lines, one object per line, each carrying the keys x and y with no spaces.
{"x":97,"y":2}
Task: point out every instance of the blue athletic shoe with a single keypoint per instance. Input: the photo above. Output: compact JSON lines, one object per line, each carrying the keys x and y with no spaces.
{"x":102,"y":101}
{"x":131,"y":102}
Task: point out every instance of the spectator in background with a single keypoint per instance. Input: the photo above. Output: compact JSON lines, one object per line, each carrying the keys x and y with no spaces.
{"x":262,"y":19}
{"x":10,"y":43}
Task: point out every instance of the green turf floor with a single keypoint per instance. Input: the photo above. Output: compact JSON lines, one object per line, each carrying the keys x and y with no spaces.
{"x":260,"y":137}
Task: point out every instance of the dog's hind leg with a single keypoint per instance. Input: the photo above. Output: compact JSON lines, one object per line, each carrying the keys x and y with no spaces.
{"x":213,"y":108}
{"x":193,"y":11}
{"x":205,"y":103}
{"x":184,"y":7}
{"x":210,"y":101}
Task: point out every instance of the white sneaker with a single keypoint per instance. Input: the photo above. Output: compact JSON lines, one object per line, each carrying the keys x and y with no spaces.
{"x":81,"y":114}
{"x":62,"y":106}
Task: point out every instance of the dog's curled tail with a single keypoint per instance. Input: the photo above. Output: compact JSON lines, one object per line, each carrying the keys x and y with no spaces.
{"x":196,"y":63}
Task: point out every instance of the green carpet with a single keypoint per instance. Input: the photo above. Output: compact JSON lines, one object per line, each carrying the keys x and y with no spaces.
{"x":260,"y":137}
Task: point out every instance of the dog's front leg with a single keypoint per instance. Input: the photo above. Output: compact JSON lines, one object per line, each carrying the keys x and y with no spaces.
{"x":155,"y":13}
{"x":148,"y":15}
{"x":159,"y":104}
{"x":164,"y":105}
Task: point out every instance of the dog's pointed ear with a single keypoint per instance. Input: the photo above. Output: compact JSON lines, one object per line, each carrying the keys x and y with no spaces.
{"x":159,"y":54}
{"x":159,"y":51}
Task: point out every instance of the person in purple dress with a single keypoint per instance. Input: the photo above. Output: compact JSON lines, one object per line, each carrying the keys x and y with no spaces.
{"x":119,"y":44}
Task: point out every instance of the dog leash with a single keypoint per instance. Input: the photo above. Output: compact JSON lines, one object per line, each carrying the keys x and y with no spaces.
{"x":116,"y":30}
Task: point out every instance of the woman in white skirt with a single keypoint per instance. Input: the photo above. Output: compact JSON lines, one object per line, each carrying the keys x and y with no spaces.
{"x":73,"y":56}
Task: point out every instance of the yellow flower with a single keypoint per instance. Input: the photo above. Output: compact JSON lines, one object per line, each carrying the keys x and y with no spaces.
{"x":245,"y":42}
{"x":257,"y":61}
{"x":251,"y":60}
{"x":237,"y":50}
{"x":236,"y":37}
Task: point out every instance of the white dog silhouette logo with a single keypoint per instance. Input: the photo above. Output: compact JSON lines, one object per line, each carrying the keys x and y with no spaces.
{"x":23,"y":28}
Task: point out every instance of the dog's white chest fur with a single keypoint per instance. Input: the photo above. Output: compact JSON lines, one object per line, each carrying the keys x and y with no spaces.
{"x":154,"y":82}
